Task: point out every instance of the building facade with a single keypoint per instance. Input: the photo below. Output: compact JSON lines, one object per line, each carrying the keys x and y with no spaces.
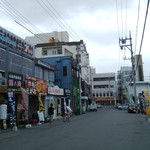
{"x":16,"y":61}
{"x":104,"y":88}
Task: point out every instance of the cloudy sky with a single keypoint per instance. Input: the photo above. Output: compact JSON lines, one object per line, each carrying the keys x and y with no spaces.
{"x":99,"y":23}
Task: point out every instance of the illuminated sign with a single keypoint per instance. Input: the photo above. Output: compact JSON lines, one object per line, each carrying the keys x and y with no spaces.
{"x":15,"y":80}
{"x":35,"y":86}
{"x":15,"y":42}
{"x":7,"y":40}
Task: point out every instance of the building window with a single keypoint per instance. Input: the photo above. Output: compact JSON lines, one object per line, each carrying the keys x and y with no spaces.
{"x":44,"y":52}
{"x":54,"y":52}
{"x":59,"y":51}
{"x":111,"y":86}
{"x":64,"y":70}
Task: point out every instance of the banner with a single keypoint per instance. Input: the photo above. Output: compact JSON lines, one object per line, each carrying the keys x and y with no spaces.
{"x":24,"y":99}
{"x":41,"y":106}
{"x":11,"y":101}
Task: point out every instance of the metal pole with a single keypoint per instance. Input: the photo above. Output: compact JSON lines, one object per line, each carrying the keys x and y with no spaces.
{"x":79,"y":77}
{"x":122,"y":43}
{"x":133,"y":70}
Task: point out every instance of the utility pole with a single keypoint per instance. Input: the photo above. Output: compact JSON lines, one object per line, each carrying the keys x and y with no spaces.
{"x":127,"y":42}
{"x":79,"y":79}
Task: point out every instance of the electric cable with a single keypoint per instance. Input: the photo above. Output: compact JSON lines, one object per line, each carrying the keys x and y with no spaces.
{"x":137,"y":27}
{"x":18,"y":17}
{"x":143,"y":32}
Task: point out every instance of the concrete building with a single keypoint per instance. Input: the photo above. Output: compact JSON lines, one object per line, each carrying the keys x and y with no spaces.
{"x":104,"y":88}
{"x":59,"y":48}
{"x":56,"y":44}
{"x":124,"y":77}
{"x":16,"y":62}
{"x":51,"y":37}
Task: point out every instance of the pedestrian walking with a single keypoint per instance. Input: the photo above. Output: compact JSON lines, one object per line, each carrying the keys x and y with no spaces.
{"x":51,"y":113}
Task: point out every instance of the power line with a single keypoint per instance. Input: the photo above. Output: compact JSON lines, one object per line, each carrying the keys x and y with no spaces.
{"x":64,"y":20}
{"x":137,"y":27}
{"x":47,"y":9}
{"x":143,"y":31}
{"x":18,"y":17}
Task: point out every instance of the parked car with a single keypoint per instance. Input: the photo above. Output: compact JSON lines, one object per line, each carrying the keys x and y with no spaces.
{"x":131,"y":108}
{"x":93,"y":107}
{"x":99,"y":106}
{"x":117,"y":105}
{"x":123,"y":106}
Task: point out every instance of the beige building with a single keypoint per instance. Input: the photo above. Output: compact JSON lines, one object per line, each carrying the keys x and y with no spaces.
{"x":104,"y":88}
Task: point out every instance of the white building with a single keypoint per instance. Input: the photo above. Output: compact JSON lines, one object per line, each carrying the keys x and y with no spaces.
{"x":104,"y":88}
{"x":61,"y":36}
{"x":58,"y":45}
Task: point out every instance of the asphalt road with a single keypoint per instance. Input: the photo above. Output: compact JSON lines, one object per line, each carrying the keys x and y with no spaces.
{"x":106,"y":129}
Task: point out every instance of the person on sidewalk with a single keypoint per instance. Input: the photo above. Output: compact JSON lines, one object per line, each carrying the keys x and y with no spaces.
{"x":51,"y":113}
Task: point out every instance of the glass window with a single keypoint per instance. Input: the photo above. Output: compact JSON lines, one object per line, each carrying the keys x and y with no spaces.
{"x":64,"y":70}
{"x":59,"y":51}
{"x":44,"y":52}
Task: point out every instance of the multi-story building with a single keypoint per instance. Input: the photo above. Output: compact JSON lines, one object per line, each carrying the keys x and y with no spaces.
{"x":55,"y":48}
{"x":124,"y":78}
{"x":126,"y":87}
{"x":16,"y":61}
{"x":26,"y":83}
{"x":104,"y":88}
{"x":56,"y":44}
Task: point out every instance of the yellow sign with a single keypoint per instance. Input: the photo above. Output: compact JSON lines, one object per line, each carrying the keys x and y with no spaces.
{"x":41,"y":106}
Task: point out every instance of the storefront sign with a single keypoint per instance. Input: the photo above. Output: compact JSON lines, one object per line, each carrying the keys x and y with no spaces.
{"x":55,"y":90}
{"x":11,"y":40}
{"x":7,"y":40}
{"x":67,"y":92}
{"x":104,"y":98}
{"x":15,"y":81}
{"x":35,"y":86}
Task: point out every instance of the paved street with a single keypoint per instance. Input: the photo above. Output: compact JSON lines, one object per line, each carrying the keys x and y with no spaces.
{"x":107,"y":129}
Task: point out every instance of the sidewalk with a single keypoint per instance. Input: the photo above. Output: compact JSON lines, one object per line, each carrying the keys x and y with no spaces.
{"x":30,"y":126}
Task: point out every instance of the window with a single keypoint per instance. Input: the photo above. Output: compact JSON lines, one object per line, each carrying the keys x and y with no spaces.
{"x":54,"y":52}
{"x":64,"y":70}
{"x":59,"y":51}
{"x":44,"y":52}
{"x":38,"y":71}
{"x":78,"y":58}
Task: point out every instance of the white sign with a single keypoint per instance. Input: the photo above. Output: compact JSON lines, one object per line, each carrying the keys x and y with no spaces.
{"x":55,"y":90}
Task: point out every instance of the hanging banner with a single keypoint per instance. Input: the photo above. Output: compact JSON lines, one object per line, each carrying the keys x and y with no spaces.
{"x":11,"y":101}
{"x":24,"y":99}
{"x":41,"y":106}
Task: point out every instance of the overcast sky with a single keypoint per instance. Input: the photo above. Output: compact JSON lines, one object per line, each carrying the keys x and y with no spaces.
{"x":99,"y":23}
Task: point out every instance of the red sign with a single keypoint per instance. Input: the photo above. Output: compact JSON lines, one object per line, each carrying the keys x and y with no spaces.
{"x":35,"y":86}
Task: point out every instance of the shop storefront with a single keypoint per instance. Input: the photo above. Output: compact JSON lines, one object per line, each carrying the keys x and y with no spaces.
{"x":16,"y":99}
{"x":3,"y":88}
{"x":56,"y":94}
{"x":37,"y":90}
